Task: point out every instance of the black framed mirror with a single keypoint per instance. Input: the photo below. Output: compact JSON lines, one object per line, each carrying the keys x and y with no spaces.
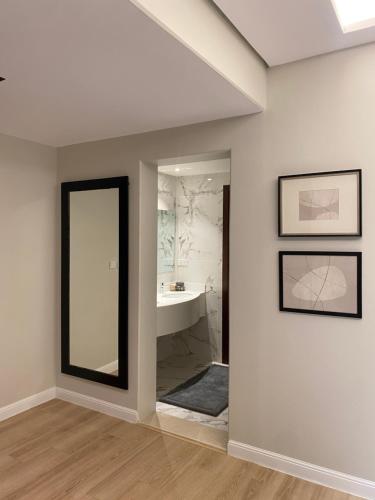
{"x":94,"y":280}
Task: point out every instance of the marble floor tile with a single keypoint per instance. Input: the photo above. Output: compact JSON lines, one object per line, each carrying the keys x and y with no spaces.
{"x":219,"y":422}
{"x":172,"y":372}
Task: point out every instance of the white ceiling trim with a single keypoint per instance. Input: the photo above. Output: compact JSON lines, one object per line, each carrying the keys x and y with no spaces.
{"x":196,"y":24}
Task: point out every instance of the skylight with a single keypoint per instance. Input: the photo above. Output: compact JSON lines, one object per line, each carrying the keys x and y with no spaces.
{"x":355,"y":15}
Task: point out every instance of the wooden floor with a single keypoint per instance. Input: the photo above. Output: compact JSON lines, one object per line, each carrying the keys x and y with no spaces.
{"x":62,"y":451}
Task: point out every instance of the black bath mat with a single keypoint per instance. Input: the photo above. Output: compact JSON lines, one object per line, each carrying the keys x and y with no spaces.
{"x":206,"y":392}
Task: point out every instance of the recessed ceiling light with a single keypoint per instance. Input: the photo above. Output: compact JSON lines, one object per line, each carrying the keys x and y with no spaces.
{"x":209,"y":179}
{"x":176,"y":169}
{"x":355,"y":15}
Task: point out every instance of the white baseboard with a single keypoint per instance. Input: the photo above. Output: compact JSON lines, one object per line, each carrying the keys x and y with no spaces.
{"x":109,"y":368}
{"x":73,"y":397}
{"x":304,"y":470}
{"x":27,"y":403}
{"x":98,"y":405}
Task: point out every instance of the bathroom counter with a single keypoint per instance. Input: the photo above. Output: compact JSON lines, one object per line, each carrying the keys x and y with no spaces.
{"x":168,"y":298}
{"x":177,"y":311}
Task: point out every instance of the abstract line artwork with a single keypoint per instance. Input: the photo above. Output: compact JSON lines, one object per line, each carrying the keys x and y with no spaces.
{"x":321,"y":283}
{"x":319,"y":204}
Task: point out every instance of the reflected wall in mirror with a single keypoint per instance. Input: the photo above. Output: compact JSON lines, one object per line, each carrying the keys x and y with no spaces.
{"x":166,"y":240}
{"x":94,"y":280}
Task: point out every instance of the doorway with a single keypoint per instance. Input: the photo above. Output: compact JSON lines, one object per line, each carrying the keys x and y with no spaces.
{"x":193,"y":298}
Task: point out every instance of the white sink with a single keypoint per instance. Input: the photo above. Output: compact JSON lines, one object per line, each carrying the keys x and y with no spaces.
{"x":179,"y":310}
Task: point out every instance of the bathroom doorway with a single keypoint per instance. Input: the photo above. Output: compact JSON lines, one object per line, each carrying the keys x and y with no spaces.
{"x":193,"y":297}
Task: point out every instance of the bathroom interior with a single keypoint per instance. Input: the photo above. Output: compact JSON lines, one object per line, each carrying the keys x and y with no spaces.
{"x":192,"y":291}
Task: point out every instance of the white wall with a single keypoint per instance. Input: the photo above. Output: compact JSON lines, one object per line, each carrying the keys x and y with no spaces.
{"x":313,"y":385}
{"x":28,"y":188}
{"x":299,"y":385}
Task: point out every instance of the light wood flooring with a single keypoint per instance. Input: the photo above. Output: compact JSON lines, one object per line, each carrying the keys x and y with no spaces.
{"x":61,"y":451}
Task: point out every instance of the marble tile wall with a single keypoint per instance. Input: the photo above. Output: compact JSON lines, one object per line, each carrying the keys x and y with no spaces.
{"x":199,"y":211}
{"x":198,"y":202}
{"x":167,"y":192}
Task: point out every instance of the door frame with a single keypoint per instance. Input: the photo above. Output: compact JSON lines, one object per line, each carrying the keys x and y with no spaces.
{"x":225,"y":276}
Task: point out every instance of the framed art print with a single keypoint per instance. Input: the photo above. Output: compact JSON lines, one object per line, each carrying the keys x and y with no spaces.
{"x":321,"y":204}
{"x":328,"y":283}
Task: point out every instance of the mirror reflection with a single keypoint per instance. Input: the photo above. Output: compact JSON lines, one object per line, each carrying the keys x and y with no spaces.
{"x":94,"y":279}
{"x":166,"y":240}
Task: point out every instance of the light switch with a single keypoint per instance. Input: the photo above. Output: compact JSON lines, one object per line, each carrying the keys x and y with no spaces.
{"x":113,"y":265}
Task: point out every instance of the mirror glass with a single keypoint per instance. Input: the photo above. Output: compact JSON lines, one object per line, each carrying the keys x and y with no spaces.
{"x":94,"y":279}
{"x":166,"y":240}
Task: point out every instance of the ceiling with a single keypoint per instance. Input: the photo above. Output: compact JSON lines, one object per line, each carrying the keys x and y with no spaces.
{"x":282,"y":31}
{"x":84,"y":70}
{"x":81,"y":70}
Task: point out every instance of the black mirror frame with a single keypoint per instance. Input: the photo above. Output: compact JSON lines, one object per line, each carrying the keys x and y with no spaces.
{"x":122,"y":184}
